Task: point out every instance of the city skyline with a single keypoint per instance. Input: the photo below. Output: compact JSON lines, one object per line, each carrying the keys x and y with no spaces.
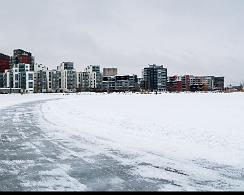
{"x":188,"y":37}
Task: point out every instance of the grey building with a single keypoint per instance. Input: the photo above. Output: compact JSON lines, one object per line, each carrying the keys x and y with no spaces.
{"x":83,"y":81}
{"x":155,"y":78}
{"x":109,"y":83}
{"x":66,"y":66}
{"x":54,"y":81}
{"x":219,"y":83}
{"x":95,"y":76}
{"x":120,"y":83}
{"x":41,"y":81}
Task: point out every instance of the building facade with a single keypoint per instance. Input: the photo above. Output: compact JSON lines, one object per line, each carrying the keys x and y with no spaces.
{"x":5,"y":61}
{"x":155,"y":78}
{"x":195,"y":83}
{"x":68,"y":77}
{"x":219,"y":83}
{"x":23,"y":77}
{"x":40,"y":78}
{"x":175,"y":84}
{"x":23,"y":57}
{"x":54,"y":81}
{"x":120,"y":83}
{"x":95,"y":76}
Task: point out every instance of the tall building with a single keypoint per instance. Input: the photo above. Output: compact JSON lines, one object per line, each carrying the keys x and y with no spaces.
{"x":110,"y":72}
{"x":23,"y":57}
{"x":95,"y":76}
{"x":155,"y":78}
{"x":4,"y":62}
{"x":40,"y":78}
{"x":23,"y":77}
{"x":85,"y":81}
{"x":68,"y":77}
{"x":54,"y":81}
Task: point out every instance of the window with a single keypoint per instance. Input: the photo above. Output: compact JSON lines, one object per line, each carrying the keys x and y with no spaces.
{"x":30,"y":85}
{"x":30,"y":77}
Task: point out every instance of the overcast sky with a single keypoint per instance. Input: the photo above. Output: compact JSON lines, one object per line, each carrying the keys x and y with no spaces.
{"x":202,"y":37}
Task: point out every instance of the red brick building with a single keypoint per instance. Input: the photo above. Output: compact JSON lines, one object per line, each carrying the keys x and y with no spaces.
{"x":4,"y":62}
{"x":174,"y":84}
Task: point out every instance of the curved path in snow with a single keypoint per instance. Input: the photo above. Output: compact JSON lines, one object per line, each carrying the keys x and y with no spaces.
{"x":36,"y":159}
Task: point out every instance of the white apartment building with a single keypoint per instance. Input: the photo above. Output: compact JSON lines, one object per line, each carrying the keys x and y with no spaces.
{"x":68,"y":77}
{"x":23,"y":78}
{"x":95,"y":76}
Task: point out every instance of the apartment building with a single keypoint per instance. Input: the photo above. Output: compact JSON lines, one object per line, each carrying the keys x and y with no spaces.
{"x":23,"y":57}
{"x":23,"y":77}
{"x":4,"y":62}
{"x":54,"y":81}
{"x":68,"y":77}
{"x":155,"y":78}
{"x":40,"y":78}
{"x":95,"y":76}
{"x":120,"y":83}
{"x":109,"y":83}
{"x":175,"y":84}
{"x":195,"y":83}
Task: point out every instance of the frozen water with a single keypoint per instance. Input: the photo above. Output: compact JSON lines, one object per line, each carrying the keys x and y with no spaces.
{"x":122,"y":143}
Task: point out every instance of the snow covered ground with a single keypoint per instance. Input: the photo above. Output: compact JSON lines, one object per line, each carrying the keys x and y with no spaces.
{"x":171,"y":141}
{"x":15,"y":99}
{"x":192,"y":126}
